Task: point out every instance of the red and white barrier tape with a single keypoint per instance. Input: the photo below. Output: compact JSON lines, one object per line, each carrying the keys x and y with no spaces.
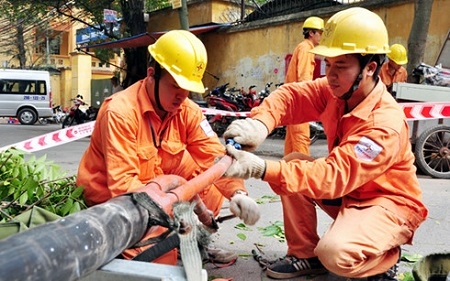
{"x":413,"y":111}
{"x":55,"y":138}
{"x":423,"y":110}
{"x":213,"y":111}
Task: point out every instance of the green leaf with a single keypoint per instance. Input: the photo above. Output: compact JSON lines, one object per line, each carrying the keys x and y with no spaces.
{"x":32,"y":158}
{"x":34,"y":180}
{"x":30,"y":186}
{"x":75,"y":208}
{"x":15,"y":172}
{"x":270,"y":230}
{"x":241,"y":236}
{"x":268,"y":199}
{"x":67,"y":207}
{"x":275,"y":230}
{"x":242,"y":226}
{"x":405,"y":276}
{"x":23,"y":199}
{"x":23,"y":172}
{"x":411,"y":257}
{"x":278,"y":223}
{"x":77,"y":193}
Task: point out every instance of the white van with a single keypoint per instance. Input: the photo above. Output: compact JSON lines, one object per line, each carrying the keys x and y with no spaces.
{"x":25,"y":95}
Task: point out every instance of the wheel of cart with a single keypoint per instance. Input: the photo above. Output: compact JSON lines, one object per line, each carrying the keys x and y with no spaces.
{"x":428,"y":108}
{"x":432,"y":151}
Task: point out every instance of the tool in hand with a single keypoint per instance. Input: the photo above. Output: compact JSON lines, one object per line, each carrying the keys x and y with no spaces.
{"x":225,"y":218}
{"x":233,"y":143}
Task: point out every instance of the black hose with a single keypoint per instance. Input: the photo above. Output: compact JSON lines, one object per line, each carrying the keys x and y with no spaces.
{"x":73,"y":246}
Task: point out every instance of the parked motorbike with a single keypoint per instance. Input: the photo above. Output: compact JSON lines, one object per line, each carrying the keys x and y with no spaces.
{"x":316,"y":131}
{"x":432,"y":75}
{"x":265,"y":93}
{"x":248,"y":99}
{"x":58,"y":116}
{"x":221,"y":98}
{"x":78,"y":116}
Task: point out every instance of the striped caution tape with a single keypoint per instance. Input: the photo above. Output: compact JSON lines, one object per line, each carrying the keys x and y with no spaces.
{"x":422,"y":111}
{"x":55,"y":138}
{"x":213,"y":111}
{"x":413,"y":111}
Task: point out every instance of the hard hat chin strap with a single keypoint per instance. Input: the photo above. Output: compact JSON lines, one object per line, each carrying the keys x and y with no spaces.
{"x":157,"y":77}
{"x":363,"y":61}
{"x":353,"y":88}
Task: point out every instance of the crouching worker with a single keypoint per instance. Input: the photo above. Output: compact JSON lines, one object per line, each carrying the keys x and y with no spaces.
{"x":367,"y":183}
{"x":152,"y":129}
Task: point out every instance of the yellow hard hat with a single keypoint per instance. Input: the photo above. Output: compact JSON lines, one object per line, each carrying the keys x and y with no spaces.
{"x":398,"y":54}
{"x":313,"y":23}
{"x":184,"y":56}
{"x":353,"y":31}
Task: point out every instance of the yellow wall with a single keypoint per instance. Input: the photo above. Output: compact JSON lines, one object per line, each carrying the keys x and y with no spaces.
{"x":81,"y":78}
{"x":254,"y":53}
{"x":65,"y":82}
{"x":56,"y":90}
{"x":202,"y":12}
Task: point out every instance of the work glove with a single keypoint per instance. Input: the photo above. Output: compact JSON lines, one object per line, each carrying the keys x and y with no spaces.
{"x":249,"y":133}
{"x":246,"y":164}
{"x":245,"y":208}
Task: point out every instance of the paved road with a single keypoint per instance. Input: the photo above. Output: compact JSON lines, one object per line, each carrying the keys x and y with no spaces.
{"x":433,"y":236}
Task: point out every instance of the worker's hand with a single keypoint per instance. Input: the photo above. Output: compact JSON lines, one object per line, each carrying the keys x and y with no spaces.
{"x":249,"y":133}
{"x":159,"y":190}
{"x":247,"y":165}
{"x":167,"y":182}
{"x":245,"y":208}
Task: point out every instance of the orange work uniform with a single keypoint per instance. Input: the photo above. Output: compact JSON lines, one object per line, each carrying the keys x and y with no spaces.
{"x":400,"y":75}
{"x":370,"y":168}
{"x":131,"y":145}
{"x":301,"y":68}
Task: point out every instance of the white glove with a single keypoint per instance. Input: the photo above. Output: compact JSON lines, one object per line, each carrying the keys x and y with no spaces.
{"x":247,"y":165}
{"x":245,"y":208}
{"x":249,"y":133}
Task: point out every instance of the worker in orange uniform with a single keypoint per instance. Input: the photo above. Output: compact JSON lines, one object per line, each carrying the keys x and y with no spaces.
{"x":368,"y":181}
{"x":151,"y":129}
{"x":392,"y":70}
{"x":301,"y":68}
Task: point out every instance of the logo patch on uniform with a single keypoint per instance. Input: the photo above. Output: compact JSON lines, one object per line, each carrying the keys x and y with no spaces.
{"x":366,"y":149}
{"x":206,"y":127}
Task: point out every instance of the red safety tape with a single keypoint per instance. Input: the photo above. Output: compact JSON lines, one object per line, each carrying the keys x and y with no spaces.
{"x":426,"y":110}
{"x":213,"y":111}
{"x":55,"y":138}
{"x":413,"y":111}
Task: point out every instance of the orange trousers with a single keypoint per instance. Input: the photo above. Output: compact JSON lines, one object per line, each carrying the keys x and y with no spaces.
{"x":361,"y":242}
{"x":297,"y":139}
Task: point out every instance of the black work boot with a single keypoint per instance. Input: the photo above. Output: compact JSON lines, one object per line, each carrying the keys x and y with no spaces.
{"x":290,"y":267}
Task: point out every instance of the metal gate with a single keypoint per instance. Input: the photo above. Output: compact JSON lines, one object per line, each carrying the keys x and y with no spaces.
{"x":100,"y":89}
